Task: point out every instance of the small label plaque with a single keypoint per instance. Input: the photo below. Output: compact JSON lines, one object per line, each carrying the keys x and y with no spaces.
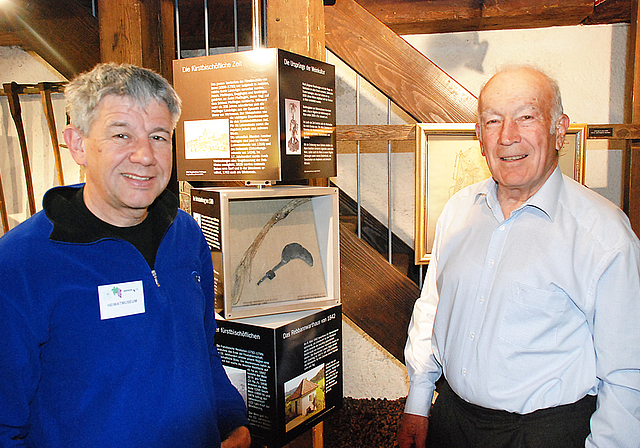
{"x":600,"y":132}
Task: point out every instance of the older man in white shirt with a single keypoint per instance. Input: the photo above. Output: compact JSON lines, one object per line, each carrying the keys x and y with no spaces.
{"x":531,"y":304}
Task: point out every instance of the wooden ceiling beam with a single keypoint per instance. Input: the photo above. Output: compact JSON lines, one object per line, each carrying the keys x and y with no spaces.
{"x":440,"y":16}
{"x":61,"y":33}
{"x":611,"y":11}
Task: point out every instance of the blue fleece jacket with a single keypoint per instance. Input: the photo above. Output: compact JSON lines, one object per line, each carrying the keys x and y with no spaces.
{"x":71,"y":379}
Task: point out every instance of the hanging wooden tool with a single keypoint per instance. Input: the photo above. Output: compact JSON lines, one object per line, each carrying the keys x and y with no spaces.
{"x":12,"y":91}
{"x":45,"y":96}
{"x":3,"y":210}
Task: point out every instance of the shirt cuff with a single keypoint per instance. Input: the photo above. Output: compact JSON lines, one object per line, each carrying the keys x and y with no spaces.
{"x":419,"y":400}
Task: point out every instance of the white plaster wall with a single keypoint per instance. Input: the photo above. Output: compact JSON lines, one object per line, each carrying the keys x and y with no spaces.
{"x":589,"y":64}
{"x":19,"y":66}
{"x":369,"y":370}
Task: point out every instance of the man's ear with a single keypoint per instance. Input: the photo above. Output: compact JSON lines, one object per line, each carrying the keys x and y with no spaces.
{"x":561,"y":130}
{"x":75,"y":142}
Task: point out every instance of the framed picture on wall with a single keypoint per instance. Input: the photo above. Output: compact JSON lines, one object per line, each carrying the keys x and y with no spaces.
{"x":572,"y":154}
{"x":448,"y":158}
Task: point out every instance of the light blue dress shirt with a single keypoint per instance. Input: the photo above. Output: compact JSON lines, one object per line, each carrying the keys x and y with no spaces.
{"x":533,"y":311}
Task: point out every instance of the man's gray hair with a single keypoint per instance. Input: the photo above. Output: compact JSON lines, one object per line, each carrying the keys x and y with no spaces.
{"x":84,"y":93}
{"x":556,"y":107}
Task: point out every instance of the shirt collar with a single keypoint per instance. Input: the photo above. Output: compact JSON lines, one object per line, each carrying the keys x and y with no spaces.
{"x":545,"y":199}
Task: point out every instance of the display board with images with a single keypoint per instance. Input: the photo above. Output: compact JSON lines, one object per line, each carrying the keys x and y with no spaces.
{"x":288,"y":368}
{"x":261,"y":115}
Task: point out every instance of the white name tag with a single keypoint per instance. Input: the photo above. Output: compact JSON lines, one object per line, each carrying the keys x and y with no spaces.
{"x":121,"y":299}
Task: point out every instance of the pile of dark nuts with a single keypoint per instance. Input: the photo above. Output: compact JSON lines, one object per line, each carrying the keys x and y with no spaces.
{"x":361,"y":423}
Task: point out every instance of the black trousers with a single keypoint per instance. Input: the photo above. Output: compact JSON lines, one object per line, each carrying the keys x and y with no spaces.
{"x":454,"y":423}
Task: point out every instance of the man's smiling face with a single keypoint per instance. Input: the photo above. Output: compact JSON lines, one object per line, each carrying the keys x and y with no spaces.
{"x":127,"y":156}
{"x":515,"y":130}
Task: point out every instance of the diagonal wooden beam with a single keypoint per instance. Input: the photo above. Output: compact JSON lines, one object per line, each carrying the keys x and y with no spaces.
{"x":375,"y":296}
{"x":400,"y":71}
{"x":62,"y":33}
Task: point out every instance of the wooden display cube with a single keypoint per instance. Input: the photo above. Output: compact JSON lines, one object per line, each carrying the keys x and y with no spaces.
{"x":274,"y":249}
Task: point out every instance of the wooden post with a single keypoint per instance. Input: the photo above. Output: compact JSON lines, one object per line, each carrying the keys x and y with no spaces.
{"x":296,"y":26}
{"x":138,"y":32}
{"x":633,"y":188}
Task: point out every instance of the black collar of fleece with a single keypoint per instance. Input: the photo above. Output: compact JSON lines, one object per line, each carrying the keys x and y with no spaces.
{"x":74,"y":223}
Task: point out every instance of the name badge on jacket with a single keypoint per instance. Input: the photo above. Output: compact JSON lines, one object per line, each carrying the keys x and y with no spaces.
{"x":121,"y":299}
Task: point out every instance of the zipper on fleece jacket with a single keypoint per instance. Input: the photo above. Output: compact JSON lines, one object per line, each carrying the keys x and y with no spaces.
{"x":155,"y":277}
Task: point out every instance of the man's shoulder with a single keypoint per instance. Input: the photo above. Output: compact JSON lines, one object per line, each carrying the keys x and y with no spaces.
{"x":583,"y":201}
{"x":596,"y":214}
{"x":24,"y":245}
{"x":34,"y":229}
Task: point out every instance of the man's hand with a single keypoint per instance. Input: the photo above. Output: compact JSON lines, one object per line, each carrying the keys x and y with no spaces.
{"x":413,"y":431}
{"x":239,"y":438}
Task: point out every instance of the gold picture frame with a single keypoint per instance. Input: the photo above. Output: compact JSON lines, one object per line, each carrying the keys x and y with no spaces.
{"x":448,"y":159}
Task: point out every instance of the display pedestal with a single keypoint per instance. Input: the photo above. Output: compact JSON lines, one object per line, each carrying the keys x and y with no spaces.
{"x":288,"y":367}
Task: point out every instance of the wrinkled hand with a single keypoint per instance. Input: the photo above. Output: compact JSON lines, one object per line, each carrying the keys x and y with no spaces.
{"x":413,"y":431}
{"x":239,"y":438}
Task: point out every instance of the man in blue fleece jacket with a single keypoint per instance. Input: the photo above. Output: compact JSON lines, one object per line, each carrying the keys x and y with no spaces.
{"x":106,"y":296}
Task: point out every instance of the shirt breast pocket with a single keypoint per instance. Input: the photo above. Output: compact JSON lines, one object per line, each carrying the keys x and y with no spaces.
{"x":531,"y":317}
